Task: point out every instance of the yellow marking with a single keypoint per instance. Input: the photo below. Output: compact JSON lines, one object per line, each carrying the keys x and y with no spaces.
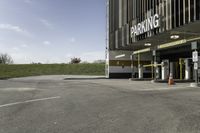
{"x":166,"y":45}
{"x":172,"y":44}
{"x":152,"y":65}
{"x":141,"y":51}
{"x":193,"y":39}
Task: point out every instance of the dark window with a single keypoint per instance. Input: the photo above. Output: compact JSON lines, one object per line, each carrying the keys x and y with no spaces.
{"x":177,"y":13}
{"x":127,"y":13}
{"x":154,"y":5}
{"x":192,"y":10}
{"x":137,"y":11}
{"x":181,"y":12}
{"x":173,"y":14}
{"x":186,"y":12}
{"x":198,"y":9}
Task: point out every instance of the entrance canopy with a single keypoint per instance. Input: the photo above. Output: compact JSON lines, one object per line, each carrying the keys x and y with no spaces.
{"x":176,"y":37}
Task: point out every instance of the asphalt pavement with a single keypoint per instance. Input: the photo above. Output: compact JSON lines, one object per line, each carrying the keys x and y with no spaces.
{"x":93,"y":104}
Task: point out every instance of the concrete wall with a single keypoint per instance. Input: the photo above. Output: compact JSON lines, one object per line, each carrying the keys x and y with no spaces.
{"x":121,"y":67}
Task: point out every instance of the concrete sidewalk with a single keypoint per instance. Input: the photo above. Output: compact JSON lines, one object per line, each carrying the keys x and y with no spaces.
{"x":142,"y":85}
{"x":118,"y":83}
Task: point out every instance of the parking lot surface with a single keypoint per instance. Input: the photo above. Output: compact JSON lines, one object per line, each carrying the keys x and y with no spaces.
{"x":93,"y":104}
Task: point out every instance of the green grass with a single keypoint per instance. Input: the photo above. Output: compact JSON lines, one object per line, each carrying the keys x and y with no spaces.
{"x":12,"y":71}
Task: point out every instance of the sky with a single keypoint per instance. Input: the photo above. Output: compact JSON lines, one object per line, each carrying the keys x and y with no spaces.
{"x":52,"y":31}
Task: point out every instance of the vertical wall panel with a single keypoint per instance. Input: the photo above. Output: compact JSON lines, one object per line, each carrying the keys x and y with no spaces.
{"x":170,"y":14}
{"x":187,"y":11}
{"x":167,"y":15}
{"x":198,"y":9}
{"x":116,"y":40}
{"x":161,"y":14}
{"x":189,"y":14}
{"x":122,"y":36}
{"x":120,"y":13}
{"x":192,"y":10}
{"x":181,"y":12}
{"x":127,"y":34}
{"x":178,"y":13}
{"x":195,"y":9}
{"x":184,"y":11}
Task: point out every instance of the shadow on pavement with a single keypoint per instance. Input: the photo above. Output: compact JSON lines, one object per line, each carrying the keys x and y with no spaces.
{"x":98,"y":78}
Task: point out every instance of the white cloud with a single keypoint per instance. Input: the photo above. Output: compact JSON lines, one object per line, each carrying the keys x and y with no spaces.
{"x":72,"y":40}
{"x":24,"y":45}
{"x":46,"y":23}
{"x":15,"y":48}
{"x":47,"y":43}
{"x":19,"y":57}
{"x":69,"y":55}
{"x":11,"y":27}
{"x":14,"y":28}
{"x":28,"y":1}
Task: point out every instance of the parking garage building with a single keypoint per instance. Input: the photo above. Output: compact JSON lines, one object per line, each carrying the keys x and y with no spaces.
{"x":151,"y":39}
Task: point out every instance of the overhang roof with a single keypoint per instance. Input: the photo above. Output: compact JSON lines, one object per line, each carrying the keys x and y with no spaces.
{"x":189,"y":32}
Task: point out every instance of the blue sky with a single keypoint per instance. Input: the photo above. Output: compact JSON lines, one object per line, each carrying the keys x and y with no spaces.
{"x":52,"y":31}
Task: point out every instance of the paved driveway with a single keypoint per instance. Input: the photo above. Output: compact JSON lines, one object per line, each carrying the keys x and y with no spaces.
{"x":85,"y":104}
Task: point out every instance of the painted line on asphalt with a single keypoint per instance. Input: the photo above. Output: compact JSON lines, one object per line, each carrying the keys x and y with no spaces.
{"x":29,"y":101}
{"x":167,"y":88}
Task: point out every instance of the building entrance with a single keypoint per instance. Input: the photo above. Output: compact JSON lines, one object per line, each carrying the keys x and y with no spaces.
{"x":182,"y":69}
{"x":176,"y":61}
{"x":179,"y":62}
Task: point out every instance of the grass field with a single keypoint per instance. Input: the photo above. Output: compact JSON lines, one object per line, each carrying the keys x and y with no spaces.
{"x":12,"y":71}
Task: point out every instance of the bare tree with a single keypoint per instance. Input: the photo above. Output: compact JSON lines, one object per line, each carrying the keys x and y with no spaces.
{"x":75,"y":60}
{"x":6,"y":59}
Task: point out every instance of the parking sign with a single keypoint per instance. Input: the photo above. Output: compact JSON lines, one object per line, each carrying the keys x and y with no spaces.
{"x":195,"y":56}
{"x":195,"y":66}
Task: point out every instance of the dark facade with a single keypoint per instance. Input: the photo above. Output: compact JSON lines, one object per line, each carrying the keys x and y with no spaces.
{"x":123,"y":14}
{"x":142,"y":33}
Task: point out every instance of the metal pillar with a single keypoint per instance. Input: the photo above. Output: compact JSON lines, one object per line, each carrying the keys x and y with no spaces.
{"x":172,"y":68}
{"x":132,"y":66}
{"x":152,"y":70}
{"x":181,"y":68}
{"x":187,"y":69}
{"x":155,"y":64}
{"x":139,"y":65}
{"x":165,"y":69}
{"x":157,"y":72}
{"x":140,"y":71}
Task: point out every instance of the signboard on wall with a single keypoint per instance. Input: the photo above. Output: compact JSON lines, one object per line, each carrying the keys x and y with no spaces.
{"x":195,"y":66}
{"x":195,"y":56}
{"x":194,"y":45}
{"x":146,"y":26}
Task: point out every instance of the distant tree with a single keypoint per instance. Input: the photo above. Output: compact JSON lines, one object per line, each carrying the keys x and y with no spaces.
{"x":75,"y":60}
{"x":99,"y":61}
{"x":6,"y":59}
{"x":38,"y":63}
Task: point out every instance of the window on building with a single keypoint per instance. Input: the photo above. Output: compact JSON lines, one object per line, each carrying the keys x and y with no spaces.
{"x":181,"y":12}
{"x":198,"y":9}
{"x":186,"y":12}
{"x":177,"y":12}
{"x":173,"y":13}
{"x":192,"y":10}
